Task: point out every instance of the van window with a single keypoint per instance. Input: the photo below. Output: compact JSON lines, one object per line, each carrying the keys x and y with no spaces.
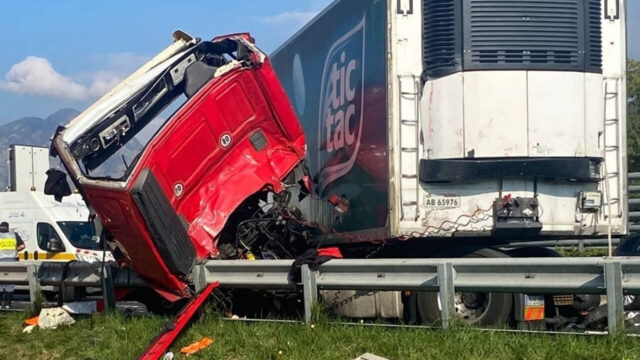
{"x":81,"y":234}
{"x":46,"y":232}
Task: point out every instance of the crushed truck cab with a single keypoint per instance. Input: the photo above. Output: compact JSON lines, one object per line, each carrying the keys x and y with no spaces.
{"x":168,"y":155}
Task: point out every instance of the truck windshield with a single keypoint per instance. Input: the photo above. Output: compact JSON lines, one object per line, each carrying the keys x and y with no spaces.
{"x":110,"y":149}
{"x":81,"y":234}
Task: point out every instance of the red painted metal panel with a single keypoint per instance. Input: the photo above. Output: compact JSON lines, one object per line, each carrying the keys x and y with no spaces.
{"x":161,"y":343}
{"x":125,"y":223}
{"x":214,"y":177}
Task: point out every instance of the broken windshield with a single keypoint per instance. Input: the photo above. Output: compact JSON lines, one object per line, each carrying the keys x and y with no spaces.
{"x":111,"y":148}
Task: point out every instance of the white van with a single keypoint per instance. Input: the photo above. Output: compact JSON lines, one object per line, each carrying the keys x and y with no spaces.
{"x":51,"y":230}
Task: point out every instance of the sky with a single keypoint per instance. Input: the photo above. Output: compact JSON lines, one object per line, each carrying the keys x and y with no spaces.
{"x":66,"y":53}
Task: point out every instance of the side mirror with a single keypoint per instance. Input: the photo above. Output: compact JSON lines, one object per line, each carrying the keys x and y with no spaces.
{"x":55,"y":246}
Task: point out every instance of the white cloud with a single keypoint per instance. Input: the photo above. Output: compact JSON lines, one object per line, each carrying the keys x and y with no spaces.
{"x":125,"y":62}
{"x":103,"y":81}
{"x":36,"y":76}
{"x":290,"y":18}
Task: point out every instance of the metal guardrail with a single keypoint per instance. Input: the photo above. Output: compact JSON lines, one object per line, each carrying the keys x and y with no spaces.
{"x":69,"y":274}
{"x":609,"y":276}
{"x":21,"y":273}
{"x":634,"y":204}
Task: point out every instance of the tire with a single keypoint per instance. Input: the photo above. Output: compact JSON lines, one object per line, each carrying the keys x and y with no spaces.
{"x":483,"y":309}
{"x":533,"y":251}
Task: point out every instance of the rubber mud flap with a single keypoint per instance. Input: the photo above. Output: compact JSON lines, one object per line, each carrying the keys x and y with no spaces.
{"x":165,"y":227}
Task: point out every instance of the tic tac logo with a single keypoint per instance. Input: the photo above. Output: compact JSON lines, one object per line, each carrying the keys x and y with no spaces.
{"x":341,"y":103}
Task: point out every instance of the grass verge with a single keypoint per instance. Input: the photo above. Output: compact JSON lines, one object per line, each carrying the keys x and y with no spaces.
{"x":120,"y":337}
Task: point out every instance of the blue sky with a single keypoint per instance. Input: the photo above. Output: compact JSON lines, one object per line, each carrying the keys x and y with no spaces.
{"x":77,"y":49}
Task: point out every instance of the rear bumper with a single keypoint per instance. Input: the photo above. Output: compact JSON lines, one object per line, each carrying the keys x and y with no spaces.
{"x":581,"y":169}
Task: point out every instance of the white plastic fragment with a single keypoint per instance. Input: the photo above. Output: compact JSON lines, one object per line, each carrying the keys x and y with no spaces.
{"x":369,"y":356}
{"x":81,"y":307}
{"x":29,"y":329}
{"x":53,"y":318}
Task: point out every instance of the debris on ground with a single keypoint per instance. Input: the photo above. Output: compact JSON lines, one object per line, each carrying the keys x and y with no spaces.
{"x":29,"y":329}
{"x":131,"y":308}
{"x":53,"y":318}
{"x":31,"y":321}
{"x":30,"y":324}
{"x":81,"y":307}
{"x":369,"y":356}
{"x":196,"y":346}
{"x":632,"y":319}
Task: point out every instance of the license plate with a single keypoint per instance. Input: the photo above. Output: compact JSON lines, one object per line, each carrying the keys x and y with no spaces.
{"x":442,"y":202}
{"x":534,"y":300}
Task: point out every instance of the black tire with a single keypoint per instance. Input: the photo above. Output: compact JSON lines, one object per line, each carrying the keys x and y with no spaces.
{"x":495,"y":310}
{"x":533,"y":251}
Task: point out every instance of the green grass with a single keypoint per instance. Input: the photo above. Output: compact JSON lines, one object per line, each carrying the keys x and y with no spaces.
{"x":588,"y":252}
{"x":119,"y":337}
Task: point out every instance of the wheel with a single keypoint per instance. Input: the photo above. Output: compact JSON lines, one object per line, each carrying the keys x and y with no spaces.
{"x":484,"y":309}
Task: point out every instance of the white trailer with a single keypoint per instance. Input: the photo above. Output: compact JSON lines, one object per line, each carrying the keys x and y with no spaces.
{"x":469,"y":104}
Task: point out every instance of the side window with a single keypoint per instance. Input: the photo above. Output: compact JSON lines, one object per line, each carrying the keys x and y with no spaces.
{"x":46,"y":232}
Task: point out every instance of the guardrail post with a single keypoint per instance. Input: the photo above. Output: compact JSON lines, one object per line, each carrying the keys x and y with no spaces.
{"x":447,"y":293}
{"x":199,"y":278}
{"x":34,"y":286}
{"x":108,"y":292}
{"x":310,"y":291}
{"x":615,"y":306}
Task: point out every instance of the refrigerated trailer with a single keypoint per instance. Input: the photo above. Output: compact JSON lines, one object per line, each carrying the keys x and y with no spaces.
{"x":457,"y":125}
{"x":465,"y":118}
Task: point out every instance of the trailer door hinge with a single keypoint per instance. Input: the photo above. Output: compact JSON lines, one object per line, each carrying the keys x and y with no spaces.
{"x":405,"y":7}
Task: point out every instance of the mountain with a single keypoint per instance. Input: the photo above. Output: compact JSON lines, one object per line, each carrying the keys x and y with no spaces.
{"x":38,"y":132}
{"x":29,"y":131}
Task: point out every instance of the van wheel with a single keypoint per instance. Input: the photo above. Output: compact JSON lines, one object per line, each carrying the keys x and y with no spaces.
{"x":473,"y":308}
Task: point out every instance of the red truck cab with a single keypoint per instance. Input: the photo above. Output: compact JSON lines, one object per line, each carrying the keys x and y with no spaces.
{"x":167,"y":156}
